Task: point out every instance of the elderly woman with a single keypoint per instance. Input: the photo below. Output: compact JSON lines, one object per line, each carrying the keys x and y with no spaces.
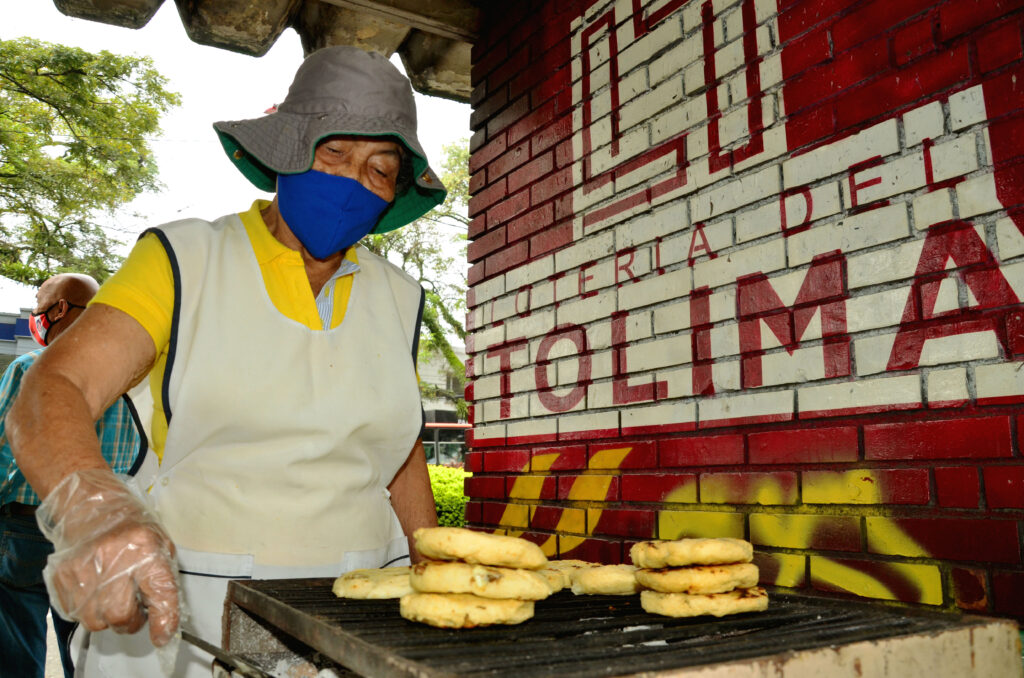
{"x":281,"y":361}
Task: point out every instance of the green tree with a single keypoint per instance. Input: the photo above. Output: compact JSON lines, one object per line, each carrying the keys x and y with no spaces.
{"x":73,"y":148}
{"x":432,"y":249}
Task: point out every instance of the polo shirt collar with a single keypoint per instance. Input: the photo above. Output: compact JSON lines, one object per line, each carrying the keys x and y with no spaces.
{"x":267,"y":248}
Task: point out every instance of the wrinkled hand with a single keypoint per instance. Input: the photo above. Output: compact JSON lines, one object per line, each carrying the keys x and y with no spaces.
{"x":113,"y":564}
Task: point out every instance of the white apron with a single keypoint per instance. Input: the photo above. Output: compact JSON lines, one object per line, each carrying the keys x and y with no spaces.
{"x":281,"y":441}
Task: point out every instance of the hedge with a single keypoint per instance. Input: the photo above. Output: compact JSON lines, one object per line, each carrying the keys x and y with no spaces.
{"x":447,"y":483}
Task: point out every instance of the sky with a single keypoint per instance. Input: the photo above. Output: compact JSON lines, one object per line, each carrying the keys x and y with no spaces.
{"x":214,"y":84}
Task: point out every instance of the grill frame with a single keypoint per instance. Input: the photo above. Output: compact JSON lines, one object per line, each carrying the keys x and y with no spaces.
{"x":569,"y":636}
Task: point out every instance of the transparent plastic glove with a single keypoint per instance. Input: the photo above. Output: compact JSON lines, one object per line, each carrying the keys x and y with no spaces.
{"x":113,"y":564}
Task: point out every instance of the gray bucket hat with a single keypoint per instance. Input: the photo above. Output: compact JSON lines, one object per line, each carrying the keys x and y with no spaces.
{"x":336,"y":90}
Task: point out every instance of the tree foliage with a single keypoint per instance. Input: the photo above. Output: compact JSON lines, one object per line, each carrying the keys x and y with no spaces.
{"x":432,"y":250}
{"x":73,"y":148}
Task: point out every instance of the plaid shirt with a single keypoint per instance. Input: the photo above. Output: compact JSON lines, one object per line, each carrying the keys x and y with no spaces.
{"x":119,"y":437}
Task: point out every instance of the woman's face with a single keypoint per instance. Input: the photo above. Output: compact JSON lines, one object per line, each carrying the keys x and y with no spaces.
{"x":372,"y":161}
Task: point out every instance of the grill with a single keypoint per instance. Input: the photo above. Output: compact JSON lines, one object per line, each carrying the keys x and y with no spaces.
{"x":583,"y":636}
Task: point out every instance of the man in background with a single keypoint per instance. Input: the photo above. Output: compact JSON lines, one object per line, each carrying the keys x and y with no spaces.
{"x":23,"y":549}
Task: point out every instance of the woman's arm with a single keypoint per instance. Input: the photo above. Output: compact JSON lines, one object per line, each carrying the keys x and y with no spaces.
{"x":411,"y":496}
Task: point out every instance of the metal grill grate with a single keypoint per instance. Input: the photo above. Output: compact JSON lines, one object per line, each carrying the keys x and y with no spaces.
{"x":584,"y":636}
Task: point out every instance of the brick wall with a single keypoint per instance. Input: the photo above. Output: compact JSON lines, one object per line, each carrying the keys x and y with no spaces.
{"x":753,"y":268}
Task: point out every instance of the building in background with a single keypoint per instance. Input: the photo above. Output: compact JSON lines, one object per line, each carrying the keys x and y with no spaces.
{"x":444,"y":437}
{"x":16,"y":303}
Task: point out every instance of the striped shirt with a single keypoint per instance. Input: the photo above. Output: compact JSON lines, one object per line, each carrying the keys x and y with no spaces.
{"x":119,"y":436}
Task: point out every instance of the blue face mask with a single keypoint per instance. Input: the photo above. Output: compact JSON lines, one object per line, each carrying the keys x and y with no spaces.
{"x":327,"y":213}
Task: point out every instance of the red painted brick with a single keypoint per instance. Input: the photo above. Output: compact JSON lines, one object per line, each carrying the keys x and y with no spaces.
{"x":806,"y":51}
{"x":975,"y":438}
{"x":473,"y":512}
{"x":516,"y":110}
{"x":474,"y":462}
{"x":957,"y":486}
{"x":1008,"y":593}
{"x":806,"y":446}
{"x":531,"y":222}
{"x":475,"y":274}
{"x":999,"y":47}
{"x":545,"y":517}
{"x":866,"y":486}
{"x":491,"y":512}
{"x":564,"y":155}
{"x":551,"y":186}
{"x":486,"y":60}
{"x":749,"y":488}
{"x":1003,"y":94}
{"x":927,"y":77}
{"x":770,"y":568}
{"x":889,"y":575}
{"x":802,"y":531}
{"x":559,"y":130}
{"x":485,"y":487}
{"x":641,"y":454}
{"x":570,"y":458}
{"x":563,"y":207}
{"x":871,"y":18}
{"x":1004,"y":486}
{"x":989,"y":540}
{"x":514,"y":63}
{"x":476,"y":140}
{"x":914,"y":40}
{"x":506,"y":460}
{"x":657,"y":487}
{"x":531,"y":172}
{"x":478,"y":159}
{"x":487,"y":197}
{"x":509,"y":160}
{"x":636,"y":523}
{"x":513,"y":255}
{"x":538,"y":118}
{"x":551,"y":239}
{"x":970,"y":590}
{"x":701,"y":451}
{"x":484,"y":245}
{"x":800,"y":16}
{"x":477,"y":181}
{"x":493,"y":103}
{"x":548,"y":487}
{"x":957,"y":18}
{"x":476,"y":226}
{"x":566,"y":483}
{"x":591,"y":550}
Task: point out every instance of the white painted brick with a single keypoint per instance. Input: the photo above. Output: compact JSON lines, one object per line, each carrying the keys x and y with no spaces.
{"x":489,"y":289}
{"x":492,"y":364}
{"x":679,"y":381}
{"x":966,"y":108}
{"x":933,"y":208}
{"x":651,"y":355}
{"x":760,"y":221}
{"x":566,"y":287}
{"x":730,"y":58}
{"x":538,"y":409}
{"x":631,"y":143}
{"x":874,"y":311}
{"x":881,"y":139}
{"x":732,"y":23}
{"x":590,"y":249}
{"x":765,"y":9}
{"x":1014,"y":274}
{"x":532,"y":427}
{"x":771,"y":404}
{"x":900,"y":175}
{"x":866,"y":229}
{"x":771,"y":71}
{"x":529,"y":273}
{"x":805,"y":364}
{"x":646,"y":228}
{"x":672,"y":250}
{"x":718,"y":235}
{"x":656,"y":289}
{"x":474,"y":318}
{"x":977,"y":196}
{"x":886,"y":265}
{"x":947,"y":299}
{"x":663,"y":35}
{"x":646,"y":172}
{"x":672,"y":318}
{"x":774,"y":140}
{"x":722,"y":305}
{"x":523,"y":380}
{"x":692,"y":16}
{"x":665,"y":94}
{"x":1010,"y":239}
{"x":596,"y":421}
{"x":925,"y":122}
{"x":674,"y":412}
{"x":484,"y":339}
{"x":632,"y":85}
{"x":596,"y":277}
{"x":541,"y":294}
{"x":725,"y":340}
{"x":693,"y":78}
{"x":585,"y":310}
{"x":954,"y":158}
{"x":583,"y":200}
{"x":533,"y":325}
{"x":871,"y":354}
{"x":672,"y":122}
{"x":599,"y":395}
{"x":879,"y":392}
{"x":639,"y":267}
{"x":564,"y":345}
{"x":725,"y":375}
{"x":487,"y":387}
{"x":998,"y":380}
{"x":567,"y":371}
{"x":499,"y":309}
{"x":490,"y":432}
{"x":947,"y":385}
{"x":761,"y":258}
{"x":670,"y":63}
{"x":638,"y":328}
{"x":730,"y":195}
{"x":519,"y":408}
